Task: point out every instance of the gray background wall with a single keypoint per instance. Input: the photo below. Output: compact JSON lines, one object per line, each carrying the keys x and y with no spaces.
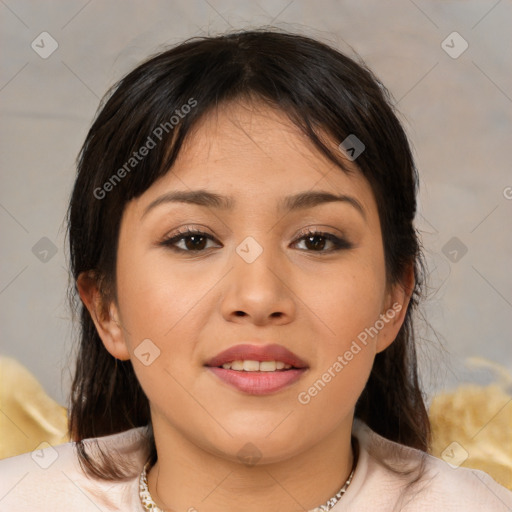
{"x":457,"y":112}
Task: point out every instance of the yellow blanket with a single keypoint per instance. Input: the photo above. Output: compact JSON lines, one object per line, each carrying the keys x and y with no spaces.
{"x":28,"y":416}
{"x":479,"y":420}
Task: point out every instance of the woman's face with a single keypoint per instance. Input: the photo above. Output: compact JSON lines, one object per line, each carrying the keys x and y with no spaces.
{"x":253,"y":277}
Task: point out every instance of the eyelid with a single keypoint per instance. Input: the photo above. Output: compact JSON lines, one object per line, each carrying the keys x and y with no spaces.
{"x":181,"y":233}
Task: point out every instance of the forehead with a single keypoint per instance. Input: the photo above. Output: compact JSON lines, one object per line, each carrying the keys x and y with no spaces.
{"x":257,"y":155}
{"x":262,"y":138}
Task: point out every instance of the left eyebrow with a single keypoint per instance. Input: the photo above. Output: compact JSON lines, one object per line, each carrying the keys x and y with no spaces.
{"x":300,"y":201}
{"x":313,"y":198}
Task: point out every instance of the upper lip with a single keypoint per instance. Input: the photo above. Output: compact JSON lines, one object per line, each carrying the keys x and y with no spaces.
{"x":271,"y":352}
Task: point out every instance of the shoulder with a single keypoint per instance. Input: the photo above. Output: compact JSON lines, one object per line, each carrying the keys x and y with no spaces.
{"x":51,"y":476}
{"x":412,"y":480}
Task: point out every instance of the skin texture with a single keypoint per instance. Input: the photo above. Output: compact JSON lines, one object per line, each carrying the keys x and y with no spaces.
{"x":191,"y":306}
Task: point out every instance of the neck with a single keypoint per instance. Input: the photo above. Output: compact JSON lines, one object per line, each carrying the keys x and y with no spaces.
{"x":188,"y":477}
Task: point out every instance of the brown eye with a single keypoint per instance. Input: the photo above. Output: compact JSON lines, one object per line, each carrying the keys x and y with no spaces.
{"x":195,"y":242}
{"x":190,"y":240}
{"x":316,"y":241}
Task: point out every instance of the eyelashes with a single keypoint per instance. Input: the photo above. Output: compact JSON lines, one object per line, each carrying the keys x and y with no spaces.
{"x":195,"y":241}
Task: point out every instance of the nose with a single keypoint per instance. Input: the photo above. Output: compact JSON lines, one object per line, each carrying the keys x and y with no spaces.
{"x":259,"y":292}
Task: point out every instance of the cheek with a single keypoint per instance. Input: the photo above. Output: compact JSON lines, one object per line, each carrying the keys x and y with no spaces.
{"x":155,"y":297}
{"x":158,"y":305}
{"x":351,"y":304}
{"x":348,"y":298}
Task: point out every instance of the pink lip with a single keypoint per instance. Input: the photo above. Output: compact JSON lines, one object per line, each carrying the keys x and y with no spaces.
{"x":258,"y":383}
{"x":272,"y":352}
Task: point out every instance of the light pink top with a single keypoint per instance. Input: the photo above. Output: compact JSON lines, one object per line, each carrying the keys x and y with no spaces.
{"x":51,"y":479}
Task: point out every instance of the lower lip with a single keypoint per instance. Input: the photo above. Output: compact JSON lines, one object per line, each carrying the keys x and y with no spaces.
{"x":258,"y":383}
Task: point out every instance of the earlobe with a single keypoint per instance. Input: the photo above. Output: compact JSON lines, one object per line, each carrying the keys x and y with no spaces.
{"x":105,"y":316}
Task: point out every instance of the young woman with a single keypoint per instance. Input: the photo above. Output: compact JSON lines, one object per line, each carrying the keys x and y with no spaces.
{"x":242,"y":240}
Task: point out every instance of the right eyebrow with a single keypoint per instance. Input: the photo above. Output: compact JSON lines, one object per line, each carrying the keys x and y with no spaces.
{"x":197,"y":197}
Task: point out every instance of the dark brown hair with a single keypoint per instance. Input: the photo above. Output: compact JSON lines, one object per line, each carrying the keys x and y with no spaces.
{"x":322,"y":91}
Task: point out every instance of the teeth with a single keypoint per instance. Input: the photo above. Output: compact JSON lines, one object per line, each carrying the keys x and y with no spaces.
{"x":256,"y":366}
{"x":236,"y":365}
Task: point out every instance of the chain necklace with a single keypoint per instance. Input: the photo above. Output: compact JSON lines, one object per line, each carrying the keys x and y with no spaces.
{"x":151,"y":506}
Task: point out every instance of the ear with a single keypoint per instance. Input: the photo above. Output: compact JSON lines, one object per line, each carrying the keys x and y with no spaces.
{"x":104,"y":315}
{"x":395,"y":309}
